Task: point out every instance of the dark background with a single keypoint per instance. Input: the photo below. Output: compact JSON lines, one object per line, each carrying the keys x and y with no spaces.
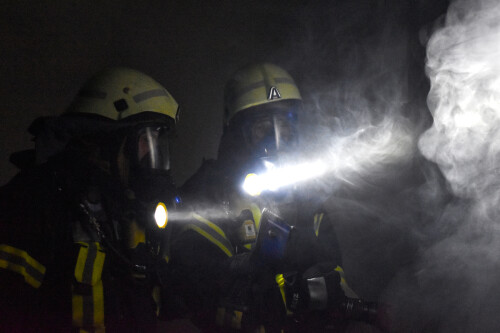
{"x":50,"y":49}
{"x":342,"y":53}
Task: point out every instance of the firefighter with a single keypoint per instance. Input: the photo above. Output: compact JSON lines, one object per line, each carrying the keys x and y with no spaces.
{"x":262,"y":105}
{"x":80,"y":249}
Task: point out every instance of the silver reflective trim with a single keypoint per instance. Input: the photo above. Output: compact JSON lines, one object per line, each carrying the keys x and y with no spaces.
{"x":20,"y":261}
{"x":260,"y":84}
{"x":88,"y":269}
{"x":149,"y":94}
{"x":318,"y":293}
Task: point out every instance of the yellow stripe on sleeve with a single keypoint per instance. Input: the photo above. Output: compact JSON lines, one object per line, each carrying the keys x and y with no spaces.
{"x":21,"y":262}
{"x":205,"y":234}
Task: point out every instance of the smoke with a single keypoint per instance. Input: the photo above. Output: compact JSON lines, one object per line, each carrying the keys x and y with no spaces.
{"x":358,"y":117}
{"x":454,"y":286}
{"x":463,"y":66}
{"x":371,"y":149}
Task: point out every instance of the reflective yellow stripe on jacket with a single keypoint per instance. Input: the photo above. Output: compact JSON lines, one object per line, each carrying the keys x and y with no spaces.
{"x":211,"y":232}
{"x":229,"y":318}
{"x":317,"y":222}
{"x":88,"y":297}
{"x":280,"y":280}
{"x":21,"y":262}
{"x":343,"y":283}
{"x":257,"y":214}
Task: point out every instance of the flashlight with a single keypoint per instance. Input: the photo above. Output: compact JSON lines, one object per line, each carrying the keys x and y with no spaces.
{"x":275,"y":178}
{"x":161,"y":215}
{"x":252,"y":184}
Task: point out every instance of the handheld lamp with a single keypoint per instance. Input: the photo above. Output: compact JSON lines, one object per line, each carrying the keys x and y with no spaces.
{"x":161,"y":215}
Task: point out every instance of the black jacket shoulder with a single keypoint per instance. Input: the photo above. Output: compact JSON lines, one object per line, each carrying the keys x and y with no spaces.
{"x":205,"y":185}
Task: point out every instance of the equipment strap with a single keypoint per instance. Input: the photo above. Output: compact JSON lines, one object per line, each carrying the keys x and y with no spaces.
{"x":88,"y":296}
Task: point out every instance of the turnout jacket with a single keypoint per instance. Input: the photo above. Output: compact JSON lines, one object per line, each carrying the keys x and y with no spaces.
{"x":56,"y":274}
{"x":230,"y":293}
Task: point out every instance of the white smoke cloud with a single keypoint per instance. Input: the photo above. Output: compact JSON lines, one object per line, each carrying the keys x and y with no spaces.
{"x":371,"y":149}
{"x":364,"y":141}
{"x":359,"y":121}
{"x":455,"y":284}
{"x":463,"y":64}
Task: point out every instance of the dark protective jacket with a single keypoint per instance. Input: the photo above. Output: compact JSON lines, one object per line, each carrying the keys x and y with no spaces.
{"x":231,"y":291}
{"x":56,"y":273}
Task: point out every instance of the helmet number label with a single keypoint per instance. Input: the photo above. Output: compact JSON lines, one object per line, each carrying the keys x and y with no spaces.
{"x":273,"y":93}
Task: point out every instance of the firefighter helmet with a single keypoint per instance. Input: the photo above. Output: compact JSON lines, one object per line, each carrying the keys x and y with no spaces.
{"x":262,"y":104}
{"x":119,"y":93}
{"x":258,"y":84}
{"x":130,"y":117}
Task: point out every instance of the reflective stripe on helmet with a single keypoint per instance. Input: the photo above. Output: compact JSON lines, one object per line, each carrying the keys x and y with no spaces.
{"x":88,"y":296}
{"x":149,"y":94}
{"x":21,"y":262}
{"x":258,"y":84}
{"x":119,"y":93}
{"x":263,"y":83}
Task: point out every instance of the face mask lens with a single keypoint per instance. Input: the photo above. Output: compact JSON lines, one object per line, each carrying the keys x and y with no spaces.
{"x":152,"y":148}
{"x":262,"y":131}
{"x":272,"y":133}
{"x":285,"y":133}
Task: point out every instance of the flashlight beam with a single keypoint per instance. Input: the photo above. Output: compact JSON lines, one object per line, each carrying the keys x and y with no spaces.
{"x":366,"y":151}
{"x":276,"y":178}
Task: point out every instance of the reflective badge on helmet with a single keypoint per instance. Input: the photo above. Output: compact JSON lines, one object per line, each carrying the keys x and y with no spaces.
{"x":273,"y":94}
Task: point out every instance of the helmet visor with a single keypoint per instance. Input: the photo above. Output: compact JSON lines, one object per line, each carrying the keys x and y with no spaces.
{"x":153,"y":148}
